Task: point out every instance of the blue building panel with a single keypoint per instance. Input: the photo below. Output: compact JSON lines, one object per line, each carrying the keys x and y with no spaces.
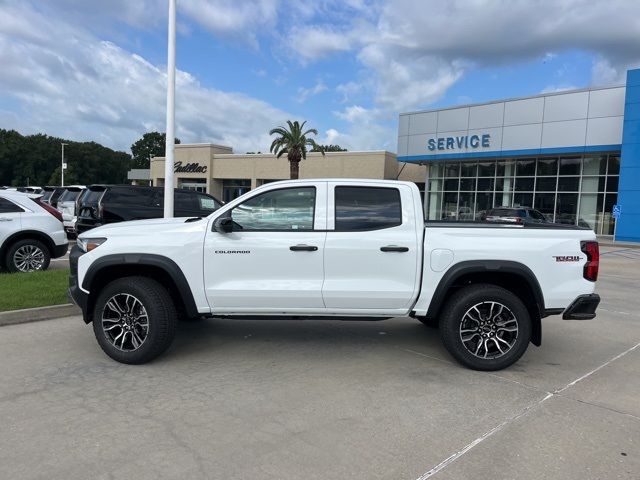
{"x":575,"y":150}
{"x":632,"y":95}
{"x":633,"y":78}
{"x":628,"y":227}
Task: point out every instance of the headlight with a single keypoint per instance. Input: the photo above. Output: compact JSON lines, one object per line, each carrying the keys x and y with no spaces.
{"x":88,"y":244}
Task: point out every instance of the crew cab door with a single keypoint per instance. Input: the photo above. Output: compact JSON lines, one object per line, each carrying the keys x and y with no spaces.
{"x":272,"y":261}
{"x":372,"y":257}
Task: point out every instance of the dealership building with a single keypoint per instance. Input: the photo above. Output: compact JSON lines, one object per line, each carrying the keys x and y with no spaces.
{"x":573,"y":155}
{"x":216,"y":170}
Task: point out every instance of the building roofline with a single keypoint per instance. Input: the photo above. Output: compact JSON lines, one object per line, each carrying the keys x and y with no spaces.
{"x":513,"y":99}
{"x":193,"y":145}
{"x":270,"y":155}
{"x":349,"y":152}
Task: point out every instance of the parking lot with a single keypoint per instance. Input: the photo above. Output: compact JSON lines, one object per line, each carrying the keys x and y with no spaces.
{"x":328,"y":400}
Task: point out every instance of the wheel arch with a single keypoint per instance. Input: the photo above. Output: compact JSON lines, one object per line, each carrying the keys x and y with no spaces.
{"x":26,"y":235}
{"x":157,"y":267}
{"x":513,"y":276}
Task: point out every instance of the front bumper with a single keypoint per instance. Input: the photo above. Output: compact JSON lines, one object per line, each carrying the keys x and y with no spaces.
{"x":74,"y":292}
{"x":582,"y":308}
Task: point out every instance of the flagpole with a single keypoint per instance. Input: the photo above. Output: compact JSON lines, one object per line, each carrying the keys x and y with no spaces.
{"x":171,"y":112}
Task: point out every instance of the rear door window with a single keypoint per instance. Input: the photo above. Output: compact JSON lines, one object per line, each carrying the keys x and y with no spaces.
{"x":367,"y":208}
{"x":7,"y":206}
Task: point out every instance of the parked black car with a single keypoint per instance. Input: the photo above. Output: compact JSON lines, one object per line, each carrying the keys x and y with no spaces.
{"x":103,"y":204}
{"x":515,"y":215}
{"x":50,"y":195}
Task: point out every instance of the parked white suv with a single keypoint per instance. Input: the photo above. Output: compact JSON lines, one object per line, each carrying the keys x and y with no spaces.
{"x":31,"y":232}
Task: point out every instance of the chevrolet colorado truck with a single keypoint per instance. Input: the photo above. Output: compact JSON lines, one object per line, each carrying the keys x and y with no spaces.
{"x":334,"y":249}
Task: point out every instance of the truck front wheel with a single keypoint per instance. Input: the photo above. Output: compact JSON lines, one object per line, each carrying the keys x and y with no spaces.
{"x":134,"y":319}
{"x":485,"y":327}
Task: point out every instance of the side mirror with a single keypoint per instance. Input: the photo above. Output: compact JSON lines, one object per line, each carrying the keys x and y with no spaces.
{"x":223,"y":225}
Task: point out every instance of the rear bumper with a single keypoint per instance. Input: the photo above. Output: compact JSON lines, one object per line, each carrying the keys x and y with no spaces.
{"x":60,"y":250}
{"x":582,"y":308}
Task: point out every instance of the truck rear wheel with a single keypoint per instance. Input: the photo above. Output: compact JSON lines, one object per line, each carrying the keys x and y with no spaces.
{"x":485,"y":327}
{"x":134,"y":319}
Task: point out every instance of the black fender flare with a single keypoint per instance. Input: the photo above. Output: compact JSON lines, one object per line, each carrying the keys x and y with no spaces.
{"x":170,"y":267}
{"x":458,"y":270}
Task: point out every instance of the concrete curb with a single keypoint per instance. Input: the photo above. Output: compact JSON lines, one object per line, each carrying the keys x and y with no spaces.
{"x":27,"y":315}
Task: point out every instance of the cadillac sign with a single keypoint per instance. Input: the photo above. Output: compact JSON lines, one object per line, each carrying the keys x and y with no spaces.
{"x":189,"y":168}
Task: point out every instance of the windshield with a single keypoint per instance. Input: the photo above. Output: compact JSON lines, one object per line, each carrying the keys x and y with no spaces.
{"x":69,"y":196}
{"x":92,"y":196}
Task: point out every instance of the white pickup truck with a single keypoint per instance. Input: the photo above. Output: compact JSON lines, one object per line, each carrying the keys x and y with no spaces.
{"x":334,"y":249}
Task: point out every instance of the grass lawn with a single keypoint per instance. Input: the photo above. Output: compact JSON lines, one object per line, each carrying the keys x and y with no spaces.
{"x":36,"y":289}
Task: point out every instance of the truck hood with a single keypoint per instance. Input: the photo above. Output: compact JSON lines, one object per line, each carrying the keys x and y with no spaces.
{"x":151,"y":226}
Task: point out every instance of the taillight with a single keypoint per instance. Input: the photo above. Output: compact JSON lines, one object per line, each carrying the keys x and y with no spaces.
{"x":48,"y":208}
{"x":592,"y":251}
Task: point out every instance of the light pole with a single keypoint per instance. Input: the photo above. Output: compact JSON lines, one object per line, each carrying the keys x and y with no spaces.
{"x":63,"y":166}
{"x":171,"y":112}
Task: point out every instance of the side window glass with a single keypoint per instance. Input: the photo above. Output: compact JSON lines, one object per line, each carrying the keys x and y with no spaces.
{"x":284,"y":209}
{"x":7,"y":206}
{"x":207,"y":203}
{"x":367,"y":208}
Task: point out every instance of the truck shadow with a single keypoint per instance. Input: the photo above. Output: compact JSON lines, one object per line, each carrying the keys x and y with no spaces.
{"x":206,"y":337}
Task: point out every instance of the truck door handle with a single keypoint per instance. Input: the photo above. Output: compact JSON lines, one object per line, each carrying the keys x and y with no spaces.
{"x":394,"y":248}
{"x":6,"y":219}
{"x":303,"y":248}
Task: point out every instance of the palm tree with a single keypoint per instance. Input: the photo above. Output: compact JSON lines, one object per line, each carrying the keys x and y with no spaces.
{"x":293,"y":141}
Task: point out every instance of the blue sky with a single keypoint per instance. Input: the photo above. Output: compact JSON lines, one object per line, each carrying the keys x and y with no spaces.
{"x":95,"y":70}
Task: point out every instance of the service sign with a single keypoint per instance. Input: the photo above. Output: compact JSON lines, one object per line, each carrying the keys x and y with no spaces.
{"x":461,"y":142}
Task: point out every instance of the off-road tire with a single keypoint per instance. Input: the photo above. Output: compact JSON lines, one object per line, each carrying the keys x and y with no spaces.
{"x":459,"y":304}
{"x":161,"y":313}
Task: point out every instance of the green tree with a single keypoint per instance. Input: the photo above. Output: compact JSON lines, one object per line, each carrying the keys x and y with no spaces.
{"x":328,"y":148}
{"x":150,"y":145}
{"x":293,"y":141}
{"x":35,"y":160}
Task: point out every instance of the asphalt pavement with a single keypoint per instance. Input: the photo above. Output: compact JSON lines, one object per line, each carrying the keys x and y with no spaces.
{"x":328,"y":400}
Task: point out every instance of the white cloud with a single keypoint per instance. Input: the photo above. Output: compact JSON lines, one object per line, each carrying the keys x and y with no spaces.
{"x":79,"y":87}
{"x":349,"y":90}
{"x":557,"y":88}
{"x":417,"y":50}
{"x":356,"y":113}
{"x":241,"y":20}
{"x":604,"y":72}
{"x":305,"y":93}
{"x":315,"y":42}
